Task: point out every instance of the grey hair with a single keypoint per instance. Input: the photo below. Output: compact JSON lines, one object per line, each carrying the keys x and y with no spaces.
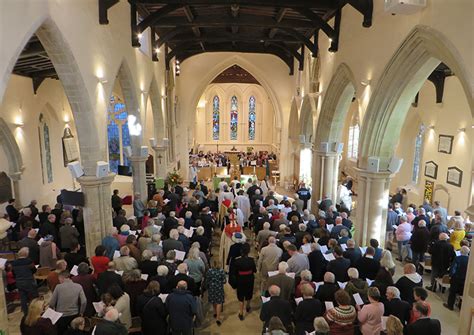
{"x":394,"y":290}
{"x":465,"y":250}
{"x":306,"y":275}
{"x":162,"y":270}
{"x":147,"y":255}
{"x":353,"y":273}
{"x":329,"y":277}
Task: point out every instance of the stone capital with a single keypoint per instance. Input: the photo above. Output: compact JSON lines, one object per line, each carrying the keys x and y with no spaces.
{"x":326,"y":154}
{"x":138,"y":159}
{"x":93,"y":181}
{"x":387,"y":175}
{"x":15,"y":176}
{"x":160,"y":149}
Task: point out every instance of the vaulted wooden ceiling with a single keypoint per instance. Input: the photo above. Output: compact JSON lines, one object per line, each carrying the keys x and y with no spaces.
{"x":235,"y":74}
{"x":284,"y":28}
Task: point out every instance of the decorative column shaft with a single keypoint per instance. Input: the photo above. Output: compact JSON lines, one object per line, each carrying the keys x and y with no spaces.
{"x":15,"y":178}
{"x":3,"y":307}
{"x":372,"y":204}
{"x":325,"y":172}
{"x":465,"y":322}
{"x":97,"y":211}
{"x":139,"y":176}
{"x":161,"y":164}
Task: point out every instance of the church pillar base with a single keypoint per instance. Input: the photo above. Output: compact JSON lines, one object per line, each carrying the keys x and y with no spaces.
{"x":372,"y":204}
{"x":97,"y":211}
{"x":161,"y":164}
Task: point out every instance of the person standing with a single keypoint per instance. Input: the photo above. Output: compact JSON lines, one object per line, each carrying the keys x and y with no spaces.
{"x":308,"y":309}
{"x":215,"y":280}
{"x":278,"y":307}
{"x":33,"y":324}
{"x":138,"y":208}
{"x":241,"y":278}
{"x":23,"y":269}
{"x":69,"y":299}
{"x":458,"y":276}
{"x":32,"y":245}
{"x":304,"y":194}
{"x":423,"y":324}
{"x":268,"y":259}
{"x":152,"y":310}
{"x":182,"y":308}
{"x":370,"y":315}
{"x":442,"y":256}
{"x":117,"y":201}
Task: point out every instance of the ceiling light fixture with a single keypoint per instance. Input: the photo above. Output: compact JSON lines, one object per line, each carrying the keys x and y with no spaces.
{"x":432,"y":127}
{"x":462,"y":130}
{"x":365,"y":82}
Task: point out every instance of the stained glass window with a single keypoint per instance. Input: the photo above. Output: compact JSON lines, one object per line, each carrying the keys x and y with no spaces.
{"x":417,"y":157}
{"x":353,"y":142}
{"x":233,"y":117}
{"x":215,"y":118}
{"x":252,"y":118}
{"x":117,"y":133}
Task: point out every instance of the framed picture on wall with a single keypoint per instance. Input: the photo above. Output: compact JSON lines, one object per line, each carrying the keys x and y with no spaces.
{"x":454,"y":176}
{"x":445,"y":144}
{"x":431,"y":169}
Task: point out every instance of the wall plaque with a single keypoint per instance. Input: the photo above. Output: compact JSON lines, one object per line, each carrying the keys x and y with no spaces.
{"x":454,"y":176}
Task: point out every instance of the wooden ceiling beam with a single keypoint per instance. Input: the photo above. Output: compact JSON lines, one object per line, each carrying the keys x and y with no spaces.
{"x":227,"y":36}
{"x":104,"y":6}
{"x":258,"y":3}
{"x":337,"y":28}
{"x":366,"y":8}
{"x":153,"y":18}
{"x":316,"y":20}
{"x":281,"y":13}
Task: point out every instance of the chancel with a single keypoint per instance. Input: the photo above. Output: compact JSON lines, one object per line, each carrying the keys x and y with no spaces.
{"x":218,"y":167}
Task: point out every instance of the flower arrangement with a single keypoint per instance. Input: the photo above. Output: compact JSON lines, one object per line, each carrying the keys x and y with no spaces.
{"x":174,"y":178}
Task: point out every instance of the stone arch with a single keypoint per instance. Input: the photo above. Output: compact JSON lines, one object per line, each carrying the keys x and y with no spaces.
{"x":335,"y":106}
{"x":157,"y":109}
{"x":404,"y":75}
{"x":253,"y":70}
{"x":442,"y":189}
{"x":12,"y":150}
{"x":72,"y":81}
{"x":125,"y":79}
{"x":308,"y":110}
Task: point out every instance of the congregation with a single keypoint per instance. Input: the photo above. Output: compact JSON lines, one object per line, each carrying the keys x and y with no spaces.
{"x":154,"y":269}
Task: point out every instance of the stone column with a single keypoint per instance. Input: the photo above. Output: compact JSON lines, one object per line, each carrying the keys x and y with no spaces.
{"x":467,"y":300}
{"x":325,"y":172}
{"x":372,"y":203}
{"x":97,"y":211}
{"x":3,"y":307}
{"x":161,"y":164}
{"x":139,"y":176}
{"x":15,"y":177}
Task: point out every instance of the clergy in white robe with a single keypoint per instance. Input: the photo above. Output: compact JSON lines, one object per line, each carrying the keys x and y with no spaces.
{"x":344,"y":197}
{"x":243,"y":203}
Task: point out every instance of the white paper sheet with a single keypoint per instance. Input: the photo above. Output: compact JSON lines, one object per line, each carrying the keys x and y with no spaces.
{"x":40,"y":241}
{"x":306,"y":248}
{"x":120,"y":273}
{"x":74,"y":270}
{"x":358,"y":299}
{"x":323,"y":248}
{"x":179,"y":255}
{"x":329,"y":305}
{"x":344,"y":247}
{"x":98,"y":306}
{"x":144,"y":276}
{"x":265,"y":299}
{"x":458,"y":252}
{"x":133,"y":232}
{"x":363,"y":250}
{"x":316,"y":285}
{"x":166,"y":201}
{"x":298,"y":300}
{"x":52,"y":315}
{"x":188,"y":233}
{"x":329,"y":227}
{"x":329,"y":257}
{"x":384,"y":322}
{"x":369,"y":282}
{"x":272,"y":273}
{"x":3,"y":261}
{"x":154,"y":259}
{"x":291,"y":274}
{"x":342,"y":285}
{"x":116,"y":254}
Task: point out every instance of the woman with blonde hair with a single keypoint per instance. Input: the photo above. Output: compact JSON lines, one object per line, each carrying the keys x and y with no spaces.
{"x":394,"y":326}
{"x":33,"y":324}
{"x":457,"y":235}
{"x":196,"y":266}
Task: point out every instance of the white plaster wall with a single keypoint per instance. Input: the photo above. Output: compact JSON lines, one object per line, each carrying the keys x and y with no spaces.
{"x":264,"y":117}
{"x":198,"y":71}
{"x":19,"y":103}
{"x":447,"y":118}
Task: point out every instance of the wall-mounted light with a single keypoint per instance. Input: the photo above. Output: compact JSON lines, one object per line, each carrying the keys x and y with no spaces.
{"x":365,"y":82}
{"x":144,"y":92}
{"x":432,"y":127}
{"x":164,"y":97}
{"x":18,"y":121}
{"x":462,"y":130}
{"x":330,"y":40}
{"x":139,"y":35}
{"x":102,"y":80}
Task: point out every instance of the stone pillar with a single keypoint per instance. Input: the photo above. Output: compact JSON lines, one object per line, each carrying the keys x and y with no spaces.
{"x":325,"y":173}
{"x":97,"y":211}
{"x":161,"y":164}
{"x":139,"y":176}
{"x":372,"y":204}
{"x":3,"y":307}
{"x":15,"y":177}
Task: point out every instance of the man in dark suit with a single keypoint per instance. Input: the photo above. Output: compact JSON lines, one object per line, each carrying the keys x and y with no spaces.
{"x":170,"y":223}
{"x":278,"y":307}
{"x":408,"y":282}
{"x":172,"y":243}
{"x":326,"y":291}
{"x":395,"y":306}
{"x":367,"y":265}
{"x":182,"y":276}
{"x":424,"y":324}
{"x":352,"y":253}
{"x":458,"y":276}
{"x":108,"y":278}
{"x":13,"y":213}
{"x":442,"y":256}
{"x":339,"y":265}
{"x":317,"y":264}
{"x":207,"y":222}
{"x":204,"y":188}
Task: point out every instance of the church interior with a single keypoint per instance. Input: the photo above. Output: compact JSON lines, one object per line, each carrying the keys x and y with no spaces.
{"x":105,"y":95}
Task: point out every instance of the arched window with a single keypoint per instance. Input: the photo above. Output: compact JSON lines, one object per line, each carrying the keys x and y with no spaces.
{"x":117,"y":133}
{"x":45,"y":150}
{"x":252,"y":118}
{"x":215,"y":118}
{"x":233,"y":118}
{"x":353,"y":141}
{"x":417,"y":154}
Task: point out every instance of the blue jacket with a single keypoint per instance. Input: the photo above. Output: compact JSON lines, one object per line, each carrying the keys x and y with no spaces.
{"x":181,"y":307}
{"x":111,"y":244}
